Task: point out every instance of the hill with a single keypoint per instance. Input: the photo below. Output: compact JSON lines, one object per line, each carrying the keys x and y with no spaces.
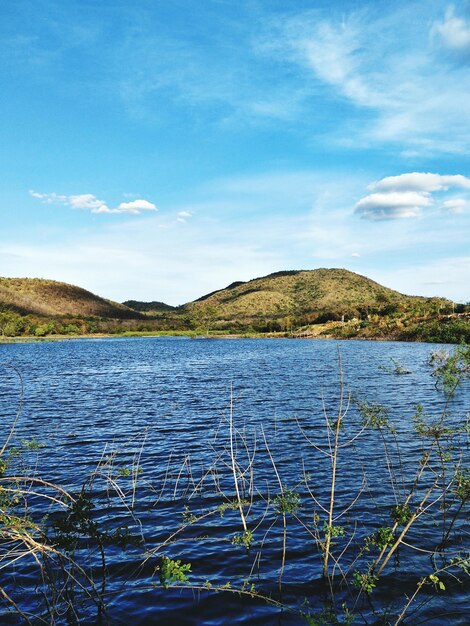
{"x":149,"y":308}
{"x":49,"y":298}
{"x":296,"y":298}
{"x":311,"y":303}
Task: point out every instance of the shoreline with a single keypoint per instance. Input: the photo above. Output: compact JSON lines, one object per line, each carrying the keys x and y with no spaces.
{"x":198,"y":337}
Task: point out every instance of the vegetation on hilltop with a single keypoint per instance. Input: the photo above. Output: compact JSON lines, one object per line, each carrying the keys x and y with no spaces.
{"x":284,"y":301}
{"x":315,"y":303}
{"x":149,"y":308}
{"x":38,"y":307}
{"x":36,"y":296}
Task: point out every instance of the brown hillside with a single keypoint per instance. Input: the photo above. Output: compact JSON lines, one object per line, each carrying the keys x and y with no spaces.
{"x":304,"y":296}
{"x":50,"y":298}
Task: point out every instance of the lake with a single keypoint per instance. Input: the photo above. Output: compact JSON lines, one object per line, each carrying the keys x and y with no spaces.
{"x":157,"y":428}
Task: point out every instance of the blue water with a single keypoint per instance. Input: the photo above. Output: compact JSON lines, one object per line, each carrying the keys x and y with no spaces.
{"x":149,"y":419}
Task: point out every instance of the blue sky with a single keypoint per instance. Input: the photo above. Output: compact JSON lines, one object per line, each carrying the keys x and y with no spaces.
{"x":159,"y":150}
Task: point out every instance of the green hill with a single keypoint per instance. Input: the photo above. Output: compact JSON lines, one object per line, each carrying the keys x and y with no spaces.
{"x":313,"y":303}
{"x":296,"y":298}
{"x":149,"y":308}
{"x":49,"y":298}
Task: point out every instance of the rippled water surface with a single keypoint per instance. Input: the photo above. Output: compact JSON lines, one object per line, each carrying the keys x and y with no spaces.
{"x":151,"y":417}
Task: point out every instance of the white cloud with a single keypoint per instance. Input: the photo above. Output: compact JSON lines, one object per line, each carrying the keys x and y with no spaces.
{"x":421,"y":182}
{"x":86,"y":201}
{"x":182,"y":216}
{"x":455,"y":205}
{"x":302,"y":220}
{"x":48,"y":198}
{"x":135,"y":206}
{"x":89,"y":202}
{"x":454,"y":32}
{"x":334,"y":53}
{"x":405,"y":195}
{"x":383,"y":206}
{"x":384,"y":65}
{"x":102,"y":208}
{"x":36,"y":194}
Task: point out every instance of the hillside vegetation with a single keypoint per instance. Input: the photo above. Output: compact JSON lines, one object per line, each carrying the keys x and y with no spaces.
{"x":150,"y":308}
{"x":297,"y":298}
{"x":37,"y":307}
{"x":329,"y":303}
{"x":314,"y":303}
{"x":50,"y":298}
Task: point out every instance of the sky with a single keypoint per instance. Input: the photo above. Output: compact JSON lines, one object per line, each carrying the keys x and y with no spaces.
{"x":162,"y":149}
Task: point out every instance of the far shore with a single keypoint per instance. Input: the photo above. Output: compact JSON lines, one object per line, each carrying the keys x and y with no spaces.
{"x":191,"y":335}
{"x":136,"y":334}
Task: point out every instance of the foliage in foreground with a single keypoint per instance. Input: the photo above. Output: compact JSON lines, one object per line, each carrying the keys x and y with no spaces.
{"x":70,"y":541}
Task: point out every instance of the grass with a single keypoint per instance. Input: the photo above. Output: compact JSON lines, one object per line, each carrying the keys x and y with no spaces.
{"x":228,"y":512}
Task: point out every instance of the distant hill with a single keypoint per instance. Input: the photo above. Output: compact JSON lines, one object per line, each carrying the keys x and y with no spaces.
{"x":304,"y":303}
{"x":49,"y":298}
{"x":150,"y":308}
{"x":304,"y":297}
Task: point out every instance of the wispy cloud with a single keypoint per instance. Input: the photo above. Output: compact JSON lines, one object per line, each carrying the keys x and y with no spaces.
{"x":404,"y":196}
{"x":387,"y":71}
{"x":455,"y":205}
{"x":183,"y":216}
{"x":421,"y":182}
{"x":85,"y":201}
{"x":388,"y":66}
{"x":216,"y":72}
{"x":89,"y":202}
{"x":453,"y":32}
